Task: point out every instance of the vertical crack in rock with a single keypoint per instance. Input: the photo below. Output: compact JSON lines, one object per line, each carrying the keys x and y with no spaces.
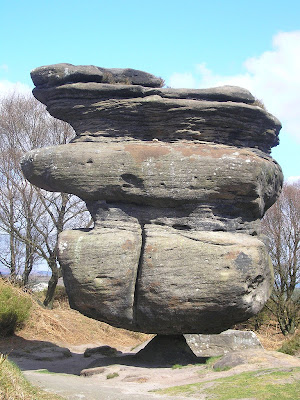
{"x":138,"y":274}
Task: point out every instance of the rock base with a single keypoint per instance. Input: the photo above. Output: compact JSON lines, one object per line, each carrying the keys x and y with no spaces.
{"x":161,"y":351}
{"x":225,"y":342}
{"x":168,"y":349}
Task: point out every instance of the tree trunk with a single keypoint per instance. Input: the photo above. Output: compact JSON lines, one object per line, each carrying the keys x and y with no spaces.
{"x":287,"y":325}
{"x":56,"y":274}
{"x":28,"y":260}
{"x":27,"y":270}
{"x":29,"y":250}
{"x":12,"y":244}
{"x":13,"y":269}
{"x":282,"y":326}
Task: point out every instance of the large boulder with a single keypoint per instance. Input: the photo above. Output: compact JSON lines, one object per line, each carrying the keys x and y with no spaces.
{"x":176,"y":181}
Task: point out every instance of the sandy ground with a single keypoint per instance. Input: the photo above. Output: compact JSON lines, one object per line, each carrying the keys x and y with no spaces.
{"x":57,"y":369}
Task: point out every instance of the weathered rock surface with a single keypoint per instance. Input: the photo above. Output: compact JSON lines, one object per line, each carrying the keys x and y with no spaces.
{"x":261,"y":357}
{"x":176,"y":181}
{"x":120,"y":111}
{"x":175,"y":277}
{"x":157,"y":174}
{"x":60,"y":74}
{"x":218,"y":345}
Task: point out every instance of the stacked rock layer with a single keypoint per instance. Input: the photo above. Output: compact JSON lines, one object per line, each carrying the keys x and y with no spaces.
{"x":176,"y":181}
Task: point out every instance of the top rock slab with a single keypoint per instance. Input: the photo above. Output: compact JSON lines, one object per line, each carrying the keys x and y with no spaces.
{"x":59,"y":74}
{"x":126,"y":104}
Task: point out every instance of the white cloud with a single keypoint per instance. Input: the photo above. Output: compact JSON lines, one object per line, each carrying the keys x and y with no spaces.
{"x":293,"y":179}
{"x":272,"y":77}
{"x":7,"y":87}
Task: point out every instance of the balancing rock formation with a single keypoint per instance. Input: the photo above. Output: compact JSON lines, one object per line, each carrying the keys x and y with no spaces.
{"x":176,"y":181}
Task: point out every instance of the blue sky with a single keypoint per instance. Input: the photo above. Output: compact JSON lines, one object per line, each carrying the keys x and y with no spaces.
{"x":189,"y":43}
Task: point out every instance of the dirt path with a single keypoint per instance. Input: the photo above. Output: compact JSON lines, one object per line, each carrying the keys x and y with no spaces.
{"x":93,"y":388}
{"x":56,"y":369}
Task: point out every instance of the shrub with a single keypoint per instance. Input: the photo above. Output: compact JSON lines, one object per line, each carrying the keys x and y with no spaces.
{"x":291,"y":346}
{"x":14,"y":308}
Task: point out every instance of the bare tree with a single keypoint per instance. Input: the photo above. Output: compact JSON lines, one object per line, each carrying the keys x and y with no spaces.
{"x":281,"y":224}
{"x":30,"y":217}
{"x":12,"y":210}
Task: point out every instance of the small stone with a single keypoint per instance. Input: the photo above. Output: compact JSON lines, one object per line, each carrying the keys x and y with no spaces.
{"x":92,"y":371}
{"x":103,"y":350}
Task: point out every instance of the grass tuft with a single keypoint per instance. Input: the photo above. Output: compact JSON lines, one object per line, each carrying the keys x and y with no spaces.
{"x":212,"y":360}
{"x":13,"y":385}
{"x":259,"y":103}
{"x":112,"y":375}
{"x":177,"y":366}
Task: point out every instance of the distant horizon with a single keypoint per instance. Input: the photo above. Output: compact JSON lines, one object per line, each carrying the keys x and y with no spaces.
{"x":33,"y":273}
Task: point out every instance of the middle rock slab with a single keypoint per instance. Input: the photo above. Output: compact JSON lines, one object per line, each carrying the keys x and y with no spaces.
{"x":154,"y":280}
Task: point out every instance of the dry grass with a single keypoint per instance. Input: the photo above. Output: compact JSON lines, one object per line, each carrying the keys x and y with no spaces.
{"x":271,"y":336}
{"x":63,"y":325}
{"x":259,"y":103}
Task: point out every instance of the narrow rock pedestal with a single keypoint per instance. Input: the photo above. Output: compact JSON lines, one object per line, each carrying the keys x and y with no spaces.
{"x":162,"y":351}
